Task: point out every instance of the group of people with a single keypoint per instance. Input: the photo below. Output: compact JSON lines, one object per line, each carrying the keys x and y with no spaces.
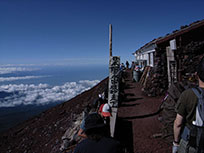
{"x":188,"y":125}
{"x":123,"y":67}
{"x":135,"y":70}
{"x":189,"y":122}
{"x":95,"y":130}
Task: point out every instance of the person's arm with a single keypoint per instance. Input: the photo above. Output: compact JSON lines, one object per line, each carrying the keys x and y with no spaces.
{"x":81,"y":130}
{"x":177,"y":128}
{"x":81,"y":134}
{"x":177,"y":132}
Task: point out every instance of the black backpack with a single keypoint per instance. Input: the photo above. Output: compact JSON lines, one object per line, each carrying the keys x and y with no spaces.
{"x":197,"y":130}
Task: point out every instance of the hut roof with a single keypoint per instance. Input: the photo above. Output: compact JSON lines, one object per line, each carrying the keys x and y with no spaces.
{"x":174,"y":34}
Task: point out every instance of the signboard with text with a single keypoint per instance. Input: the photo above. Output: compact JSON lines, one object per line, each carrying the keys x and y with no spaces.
{"x":114,"y":69}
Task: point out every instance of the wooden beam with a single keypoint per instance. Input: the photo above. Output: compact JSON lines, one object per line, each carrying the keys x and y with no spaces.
{"x":110,"y":39}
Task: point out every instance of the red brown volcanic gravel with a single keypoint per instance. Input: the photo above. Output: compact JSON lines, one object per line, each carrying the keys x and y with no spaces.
{"x":138,"y":121}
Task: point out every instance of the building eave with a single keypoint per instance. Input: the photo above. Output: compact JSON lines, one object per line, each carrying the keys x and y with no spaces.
{"x":180,"y":32}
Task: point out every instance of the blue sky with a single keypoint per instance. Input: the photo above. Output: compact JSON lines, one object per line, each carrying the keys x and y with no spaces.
{"x":77,"y":31}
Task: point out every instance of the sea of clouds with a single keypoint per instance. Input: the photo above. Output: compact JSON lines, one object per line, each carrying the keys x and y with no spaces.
{"x":41,"y":94}
{"x":12,"y":95}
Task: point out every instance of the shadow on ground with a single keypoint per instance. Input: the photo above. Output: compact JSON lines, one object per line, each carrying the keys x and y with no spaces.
{"x":131,"y":99}
{"x":123,"y":133}
{"x":130,"y":94}
{"x":129,"y":86}
{"x":142,"y":116}
{"x":129,"y":105}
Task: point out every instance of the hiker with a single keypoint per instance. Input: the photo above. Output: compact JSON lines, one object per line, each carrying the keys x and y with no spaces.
{"x":136,"y":73}
{"x":101,"y":100}
{"x":122,"y":67}
{"x":132,"y":65}
{"x":187,"y":118}
{"x":96,"y":141}
{"x":127,"y":65}
{"x":105,"y":112}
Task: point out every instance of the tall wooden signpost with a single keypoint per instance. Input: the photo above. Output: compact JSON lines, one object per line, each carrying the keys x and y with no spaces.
{"x":113,"y":90}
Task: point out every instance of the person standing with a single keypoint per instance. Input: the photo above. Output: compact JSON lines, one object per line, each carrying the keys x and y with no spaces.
{"x":132,"y":65}
{"x":187,"y":115}
{"x":136,"y":73}
{"x":122,"y":67}
{"x":127,"y":65}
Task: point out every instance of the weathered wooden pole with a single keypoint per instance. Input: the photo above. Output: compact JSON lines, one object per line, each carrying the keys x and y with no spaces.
{"x":110,"y":39}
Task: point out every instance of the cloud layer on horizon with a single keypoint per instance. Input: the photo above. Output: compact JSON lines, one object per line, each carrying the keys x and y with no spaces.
{"x":2,"y":79}
{"x":25,"y":94}
{"x":7,"y":69}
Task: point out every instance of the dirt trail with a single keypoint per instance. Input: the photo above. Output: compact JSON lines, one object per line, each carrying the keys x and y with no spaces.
{"x":138,"y":121}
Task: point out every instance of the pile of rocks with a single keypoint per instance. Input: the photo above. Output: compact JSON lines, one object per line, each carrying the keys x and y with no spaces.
{"x":188,"y":58}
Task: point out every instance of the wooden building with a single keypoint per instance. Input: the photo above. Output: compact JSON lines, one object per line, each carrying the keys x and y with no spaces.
{"x":145,"y":55}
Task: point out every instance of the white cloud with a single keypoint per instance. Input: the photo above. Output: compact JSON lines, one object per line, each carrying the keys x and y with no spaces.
{"x":40,"y":94}
{"x":7,"y":70}
{"x":2,"y":79}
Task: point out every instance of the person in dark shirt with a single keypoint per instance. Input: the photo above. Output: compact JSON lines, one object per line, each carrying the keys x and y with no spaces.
{"x":96,"y":141}
{"x":186,"y":115}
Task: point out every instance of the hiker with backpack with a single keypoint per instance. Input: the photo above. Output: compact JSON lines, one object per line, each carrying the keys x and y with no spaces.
{"x":189,"y":122}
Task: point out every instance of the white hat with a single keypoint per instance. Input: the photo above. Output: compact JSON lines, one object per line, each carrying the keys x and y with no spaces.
{"x":106,"y":110}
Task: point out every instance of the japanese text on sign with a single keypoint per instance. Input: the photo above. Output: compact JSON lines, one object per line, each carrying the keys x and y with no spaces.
{"x":114,"y":68}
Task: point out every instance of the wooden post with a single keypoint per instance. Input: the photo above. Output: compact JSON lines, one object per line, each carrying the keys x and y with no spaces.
{"x":171,"y":66}
{"x":113,"y":90}
{"x":110,"y":39}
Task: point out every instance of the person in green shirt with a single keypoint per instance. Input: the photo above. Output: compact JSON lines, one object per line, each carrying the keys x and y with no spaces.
{"x":186,"y":114}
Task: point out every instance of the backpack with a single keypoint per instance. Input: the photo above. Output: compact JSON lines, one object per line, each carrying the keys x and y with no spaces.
{"x":168,"y":113}
{"x":196,"y":138}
